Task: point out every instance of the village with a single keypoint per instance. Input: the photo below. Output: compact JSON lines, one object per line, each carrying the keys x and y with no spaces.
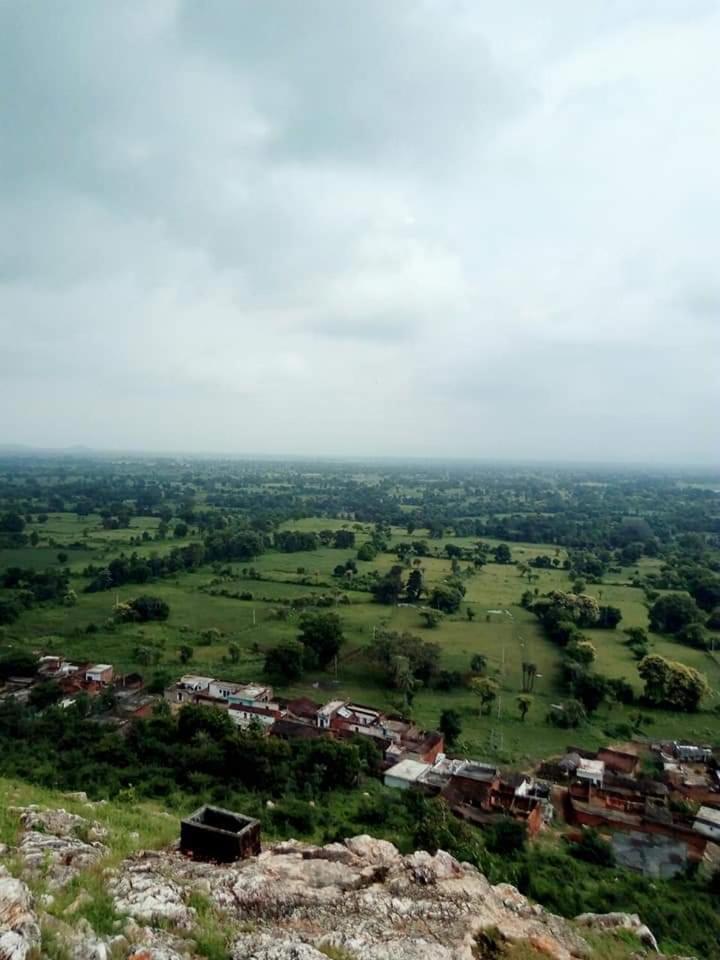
{"x":658,"y":803}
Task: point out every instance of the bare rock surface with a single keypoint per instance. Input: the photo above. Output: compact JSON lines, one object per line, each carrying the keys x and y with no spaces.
{"x":57,"y":858}
{"x":362,"y":896}
{"x":19,"y":929}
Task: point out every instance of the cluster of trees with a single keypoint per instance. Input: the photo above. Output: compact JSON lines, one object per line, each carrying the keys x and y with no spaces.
{"x":26,"y":588}
{"x":393,"y":587}
{"x":317,"y":645}
{"x":407,"y":661}
{"x":200,"y":749}
{"x":563,"y":615}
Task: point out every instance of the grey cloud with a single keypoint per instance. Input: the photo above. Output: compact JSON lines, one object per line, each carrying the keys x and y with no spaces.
{"x":496,"y":222}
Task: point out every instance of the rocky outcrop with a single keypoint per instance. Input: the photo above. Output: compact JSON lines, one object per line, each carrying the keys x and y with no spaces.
{"x":19,"y":930}
{"x":619,"y":921}
{"x":362,"y":896}
{"x":57,"y":844}
{"x":359,"y":899}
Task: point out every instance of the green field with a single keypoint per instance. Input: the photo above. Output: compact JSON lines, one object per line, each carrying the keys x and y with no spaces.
{"x":506,"y":638}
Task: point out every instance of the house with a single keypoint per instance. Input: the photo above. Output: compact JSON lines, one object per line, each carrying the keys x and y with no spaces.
{"x":100,"y":673}
{"x":618,"y":761}
{"x":707,"y":823}
{"x":187,"y":688}
{"x":591,"y":771}
{"x":244,"y":714}
{"x":692,"y":753}
{"x":405,"y":774}
{"x":326,"y":714}
{"x":241,"y":693}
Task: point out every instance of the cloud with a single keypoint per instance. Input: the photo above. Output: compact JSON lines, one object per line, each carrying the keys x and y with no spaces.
{"x":361,"y":227}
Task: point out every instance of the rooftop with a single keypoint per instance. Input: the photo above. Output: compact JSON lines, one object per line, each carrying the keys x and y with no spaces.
{"x":99,"y":667}
{"x":409,"y":770}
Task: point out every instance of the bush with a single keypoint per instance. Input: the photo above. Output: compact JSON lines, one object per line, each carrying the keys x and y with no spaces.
{"x":593,"y":849}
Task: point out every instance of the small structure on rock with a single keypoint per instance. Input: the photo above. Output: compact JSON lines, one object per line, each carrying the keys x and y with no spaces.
{"x":212,"y":833}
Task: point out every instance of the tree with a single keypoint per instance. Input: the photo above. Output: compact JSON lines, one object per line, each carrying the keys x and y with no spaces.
{"x":446,"y":598}
{"x":285,"y":661}
{"x":582,"y":651}
{"x":44,"y":694}
{"x":390,"y":587}
{"x":672,"y":685}
{"x":186,"y":653}
{"x":529,"y":672}
{"x":487,"y":690}
{"x":322,"y":636}
{"x":367,"y":552}
{"x":693,"y":634}
{"x":673,"y":611}
{"x":234,"y":652}
{"x":181,"y":530}
{"x":149,"y":608}
{"x":567,"y":715}
{"x":450,"y":726}
{"x":415,"y":587}
{"x":424,"y":656}
{"x":524,"y":702}
{"x":18,"y":663}
{"x":404,"y":679}
{"x":502,"y":554}
{"x":609,"y":617}
{"x":478,"y":664}
{"x":470,"y":613}
{"x":431,"y":618}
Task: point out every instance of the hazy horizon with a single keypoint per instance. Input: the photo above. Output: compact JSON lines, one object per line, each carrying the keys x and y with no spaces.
{"x":422,"y":229}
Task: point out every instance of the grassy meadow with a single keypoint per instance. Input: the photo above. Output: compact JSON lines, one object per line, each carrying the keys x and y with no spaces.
{"x":506,"y":637}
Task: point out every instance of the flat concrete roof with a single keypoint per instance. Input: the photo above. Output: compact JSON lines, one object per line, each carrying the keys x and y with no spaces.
{"x":408,"y":770}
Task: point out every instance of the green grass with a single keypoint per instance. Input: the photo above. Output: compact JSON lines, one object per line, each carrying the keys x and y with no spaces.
{"x":252,"y":626}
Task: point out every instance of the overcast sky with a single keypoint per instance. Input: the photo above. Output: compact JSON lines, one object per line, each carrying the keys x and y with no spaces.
{"x":424,"y":227}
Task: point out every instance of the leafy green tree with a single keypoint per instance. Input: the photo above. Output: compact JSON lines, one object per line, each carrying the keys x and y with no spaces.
{"x":234,"y":652}
{"x":673,"y":611}
{"x":529,"y":672}
{"x":45,"y":694}
{"x":367,"y":552}
{"x":147,"y":608}
{"x":185,"y":653}
{"x":487,"y":690}
{"x":285,"y":661}
{"x":445,"y":598}
{"x":450,"y":726}
{"x":322,"y":636}
{"x":502,"y":553}
{"x":389,"y":588}
{"x":470,"y":613}
{"x":479,"y":663}
{"x":524,"y":702}
{"x":415,"y":586}
{"x":672,"y":685}
{"x":431,"y":618}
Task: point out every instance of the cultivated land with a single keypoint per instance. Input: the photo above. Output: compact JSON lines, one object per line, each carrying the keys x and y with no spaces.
{"x":506,"y":638}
